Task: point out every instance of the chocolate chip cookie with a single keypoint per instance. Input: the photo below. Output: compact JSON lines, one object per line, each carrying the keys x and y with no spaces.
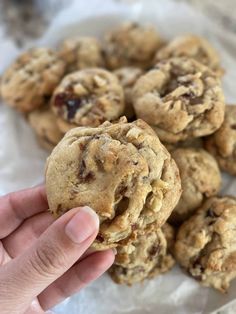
{"x":128,"y":77}
{"x":43,"y":122}
{"x":200,"y":178}
{"x":222,"y":144}
{"x":141,"y":256}
{"x":180,"y":98}
{"x":121,"y":170}
{"x":192,"y":46}
{"x":31,"y":79}
{"x":81,"y":53}
{"x":206,"y":243}
{"x":131,"y":44}
{"x":88,"y":97}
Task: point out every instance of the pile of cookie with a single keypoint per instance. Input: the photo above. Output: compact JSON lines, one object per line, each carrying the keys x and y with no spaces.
{"x":154,"y":182}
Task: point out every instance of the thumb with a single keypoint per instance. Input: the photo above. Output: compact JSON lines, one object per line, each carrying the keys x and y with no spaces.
{"x":58,"y":248}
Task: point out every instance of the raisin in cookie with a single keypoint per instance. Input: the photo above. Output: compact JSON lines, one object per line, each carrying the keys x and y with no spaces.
{"x":141,"y":256}
{"x":192,"y":46}
{"x":43,"y":122}
{"x":31,"y":79}
{"x":81,"y":53}
{"x":128,"y":77}
{"x":200,"y":178}
{"x":88,"y":97}
{"x":222,"y":144}
{"x":206,"y":243}
{"x":131,"y":44}
{"x":120,"y":170}
{"x":180,"y":98}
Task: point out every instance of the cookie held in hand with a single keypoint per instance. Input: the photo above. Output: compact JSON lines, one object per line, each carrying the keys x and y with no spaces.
{"x":120,"y":170}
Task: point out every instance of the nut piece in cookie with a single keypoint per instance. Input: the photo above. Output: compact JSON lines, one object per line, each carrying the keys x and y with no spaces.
{"x":222,"y":144}
{"x":80,"y":53}
{"x":181,"y":99}
{"x":143,"y":255}
{"x":43,"y":122}
{"x":88,"y":97}
{"x":128,"y":77}
{"x":131,"y":44}
{"x":200,"y":178}
{"x":206,"y":245}
{"x":192,"y":46}
{"x":31,"y":79}
{"x":120,"y":170}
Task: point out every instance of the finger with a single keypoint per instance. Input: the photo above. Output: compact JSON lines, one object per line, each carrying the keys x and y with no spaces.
{"x":58,"y":248}
{"x":4,"y":256}
{"x":26,"y":235}
{"x":16,"y":207}
{"x":76,"y":278}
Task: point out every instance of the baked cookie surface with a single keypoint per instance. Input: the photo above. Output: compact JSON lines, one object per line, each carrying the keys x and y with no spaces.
{"x":206,"y":245}
{"x":180,"y":98}
{"x":120,"y":170}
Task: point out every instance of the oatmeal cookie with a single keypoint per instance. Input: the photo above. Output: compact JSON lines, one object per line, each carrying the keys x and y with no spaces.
{"x":181,"y":99}
{"x":206,"y":243}
{"x":31,"y":79}
{"x":200,"y":178}
{"x":43,"y":122}
{"x":131,"y":44}
{"x":222,"y":144}
{"x":196,"y":142}
{"x":128,"y":77}
{"x":88,"y":98}
{"x":143,"y":255}
{"x":192,"y":46}
{"x":120,"y":170}
{"x":81,"y":53}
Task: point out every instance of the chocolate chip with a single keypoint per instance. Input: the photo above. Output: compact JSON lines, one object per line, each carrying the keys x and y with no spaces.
{"x":100,"y":238}
{"x":155,"y":249}
{"x":83,"y":175}
{"x":233,"y":126}
{"x":210,"y":213}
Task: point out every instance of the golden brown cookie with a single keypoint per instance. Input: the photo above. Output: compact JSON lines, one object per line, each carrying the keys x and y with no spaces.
{"x":88,"y":98}
{"x":120,"y":170}
{"x":81,"y":53}
{"x":141,"y":256}
{"x":31,"y":79}
{"x":222,"y":144}
{"x":205,"y":244}
{"x":43,"y":122}
{"x":181,"y":99}
{"x":192,"y":46}
{"x":128,"y":77}
{"x":200,"y":178}
{"x":131,"y":44}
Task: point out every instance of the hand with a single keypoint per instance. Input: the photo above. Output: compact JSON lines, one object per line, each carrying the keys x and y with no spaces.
{"x":43,"y":261}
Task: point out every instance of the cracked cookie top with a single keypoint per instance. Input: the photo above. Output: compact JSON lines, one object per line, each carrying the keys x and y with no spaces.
{"x":222,"y":144}
{"x":180,"y":98}
{"x":131,"y":44}
{"x":31,"y":79}
{"x":88,"y":97}
{"x":206,"y":243}
{"x":120,"y":170}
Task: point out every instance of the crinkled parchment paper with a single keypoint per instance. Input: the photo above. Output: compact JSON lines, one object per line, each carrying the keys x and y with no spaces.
{"x":22,"y":161}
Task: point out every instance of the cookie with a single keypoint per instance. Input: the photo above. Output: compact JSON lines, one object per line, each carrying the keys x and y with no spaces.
{"x":81,"y":53}
{"x":31,"y":79}
{"x":200,"y":178}
{"x":196,"y":142}
{"x":142,"y":256}
{"x":120,"y":170}
{"x":88,"y":98}
{"x":192,"y":46}
{"x":222,"y":144}
{"x":128,"y":77}
{"x":131,"y":44}
{"x":181,"y":99}
{"x":205,"y":244}
{"x":43,"y":122}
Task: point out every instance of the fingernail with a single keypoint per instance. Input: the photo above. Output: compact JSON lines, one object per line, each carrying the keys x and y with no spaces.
{"x":114,"y":250}
{"x":82,"y":225}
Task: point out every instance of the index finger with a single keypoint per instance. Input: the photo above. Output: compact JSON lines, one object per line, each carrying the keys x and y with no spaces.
{"x":16,"y":207}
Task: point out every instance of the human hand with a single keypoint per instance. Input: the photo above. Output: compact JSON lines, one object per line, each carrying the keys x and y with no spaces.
{"x":43,"y":261}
